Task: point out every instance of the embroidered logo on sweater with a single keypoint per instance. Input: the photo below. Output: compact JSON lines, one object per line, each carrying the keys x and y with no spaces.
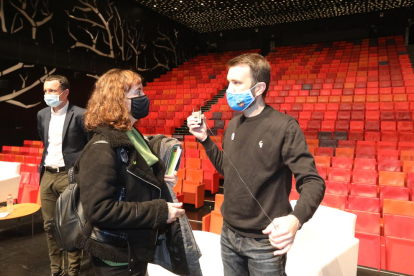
{"x":261,"y":144}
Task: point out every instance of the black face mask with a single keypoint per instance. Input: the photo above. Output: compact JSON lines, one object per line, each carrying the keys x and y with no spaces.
{"x":140,"y":107}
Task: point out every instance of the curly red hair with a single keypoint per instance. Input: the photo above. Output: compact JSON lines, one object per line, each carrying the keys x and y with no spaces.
{"x":107,"y":106}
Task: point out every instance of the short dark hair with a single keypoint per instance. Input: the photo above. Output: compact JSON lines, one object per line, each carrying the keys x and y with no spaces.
{"x":63,"y":81}
{"x":259,"y":67}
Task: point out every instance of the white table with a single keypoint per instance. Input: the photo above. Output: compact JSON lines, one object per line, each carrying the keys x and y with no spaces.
{"x":325,"y":246}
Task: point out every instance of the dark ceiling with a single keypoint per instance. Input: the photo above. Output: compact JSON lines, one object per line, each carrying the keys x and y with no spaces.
{"x":210,"y":16}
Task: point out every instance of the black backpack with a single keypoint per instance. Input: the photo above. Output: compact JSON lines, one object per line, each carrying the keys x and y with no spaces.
{"x":69,"y":220}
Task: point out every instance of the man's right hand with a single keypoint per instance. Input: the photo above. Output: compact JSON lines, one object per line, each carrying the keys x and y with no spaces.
{"x":199,"y":131}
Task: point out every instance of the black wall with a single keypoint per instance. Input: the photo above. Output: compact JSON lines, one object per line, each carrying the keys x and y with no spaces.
{"x":160,"y":44}
{"x":358,"y":26}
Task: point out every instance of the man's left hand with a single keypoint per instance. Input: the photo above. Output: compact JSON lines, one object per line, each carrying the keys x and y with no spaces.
{"x":282,"y":232}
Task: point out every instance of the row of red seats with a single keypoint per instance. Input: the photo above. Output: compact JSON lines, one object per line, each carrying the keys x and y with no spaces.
{"x":328,"y":80}
{"x":383,"y":163}
{"x":349,"y":106}
{"x":22,"y":150}
{"x":337,"y":99}
{"x":377,"y":145}
{"x":369,"y":177}
{"x":32,"y":144}
{"x":402,"y":127}
{"x":21,"y":158}
{"x":369,"y":116}
{"x":363,"y":153}
{"x":394,"y":86}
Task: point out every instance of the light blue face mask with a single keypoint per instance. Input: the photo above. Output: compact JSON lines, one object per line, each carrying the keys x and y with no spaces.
{"x":52,"y":100}
{"x":240,"y":101}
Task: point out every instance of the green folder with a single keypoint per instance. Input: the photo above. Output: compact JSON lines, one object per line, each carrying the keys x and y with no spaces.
{"x":173,"y":161}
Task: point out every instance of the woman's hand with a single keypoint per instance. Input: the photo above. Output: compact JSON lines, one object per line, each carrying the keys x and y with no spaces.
{"x":171,"y":179}
{"x":174,"y":211}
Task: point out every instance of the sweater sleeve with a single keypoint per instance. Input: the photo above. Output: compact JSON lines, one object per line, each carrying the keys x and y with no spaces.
{"x":98,"y":188}
{"x":214,"y":154}
{"x":309,"y":184}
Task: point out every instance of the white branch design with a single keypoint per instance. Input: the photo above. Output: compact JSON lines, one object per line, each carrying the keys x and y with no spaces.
{"x":92,"y":76}
{"x":13,"y":30}
{"x":9,"y":97}
{"x":104,"y":25}
{"x":171,"y":46}
{"x":135,"y":45}
{"x":14,"y":68}
{"x":160,"y":64}
{"x":2,"y":17}
{"x":119,"y":28}
{"x":35,"y":24}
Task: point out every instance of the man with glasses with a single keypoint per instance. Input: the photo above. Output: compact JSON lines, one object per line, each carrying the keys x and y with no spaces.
{"x":64,"y":136}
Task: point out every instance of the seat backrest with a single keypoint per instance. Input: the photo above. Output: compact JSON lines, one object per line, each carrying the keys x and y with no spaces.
{"x":399,"y":226}
{"x":219,"y":198}
{"x":398,"y":207}
{"x":392,"y":192}
{"x":334,"y":201}
{"x":322,"y":161}
{"x":367,"y":222}
{"x":389,"y":165}
{"x":365,"y":164}
{"x":336,"y":174}
{"x":368,"y":204}
{"x":336,"y":187}
{"x":342,"y":162}
{"x":391,"y":178}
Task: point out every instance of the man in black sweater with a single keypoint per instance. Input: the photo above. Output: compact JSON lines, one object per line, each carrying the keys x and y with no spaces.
{"x":261,"y":149}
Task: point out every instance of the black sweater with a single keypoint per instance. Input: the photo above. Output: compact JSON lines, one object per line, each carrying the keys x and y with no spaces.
{"x":265,"y":149}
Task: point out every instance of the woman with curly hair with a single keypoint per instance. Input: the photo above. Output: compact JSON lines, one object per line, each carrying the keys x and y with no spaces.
{"x":122,"y":182}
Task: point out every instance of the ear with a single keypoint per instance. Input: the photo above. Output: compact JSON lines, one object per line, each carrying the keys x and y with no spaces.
{"x":66,"y":93}
{"x":260,"y":88}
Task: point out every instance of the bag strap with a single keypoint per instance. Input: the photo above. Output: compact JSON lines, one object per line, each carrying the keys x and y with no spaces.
{"x":71,"y":172}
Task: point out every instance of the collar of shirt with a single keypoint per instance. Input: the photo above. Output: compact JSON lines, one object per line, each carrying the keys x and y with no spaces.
{"x":61,"y":111}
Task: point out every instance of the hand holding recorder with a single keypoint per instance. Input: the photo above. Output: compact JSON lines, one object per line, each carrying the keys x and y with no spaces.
{"x":197,"y":125}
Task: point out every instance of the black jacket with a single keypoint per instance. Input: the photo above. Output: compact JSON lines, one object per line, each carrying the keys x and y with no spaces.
{"x":115,"y":226}
{"x":74,"y":135}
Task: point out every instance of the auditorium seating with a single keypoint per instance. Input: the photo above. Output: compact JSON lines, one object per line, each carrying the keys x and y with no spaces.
{"x":353,"y":100}
{"x":174,"y":95}
{"x":363,"y":93}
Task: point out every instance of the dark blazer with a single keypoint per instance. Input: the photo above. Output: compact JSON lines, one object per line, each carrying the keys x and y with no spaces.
{"x":75,"y":136}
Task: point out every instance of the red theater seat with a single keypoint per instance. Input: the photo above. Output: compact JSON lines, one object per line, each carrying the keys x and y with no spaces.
{"x":368,"y":230}
{"x":334,"y":201}
{"x":368,"y":204}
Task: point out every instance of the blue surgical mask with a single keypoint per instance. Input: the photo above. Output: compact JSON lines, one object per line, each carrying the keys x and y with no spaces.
{"x":52,"y":100}
{"x":240,"y":101}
